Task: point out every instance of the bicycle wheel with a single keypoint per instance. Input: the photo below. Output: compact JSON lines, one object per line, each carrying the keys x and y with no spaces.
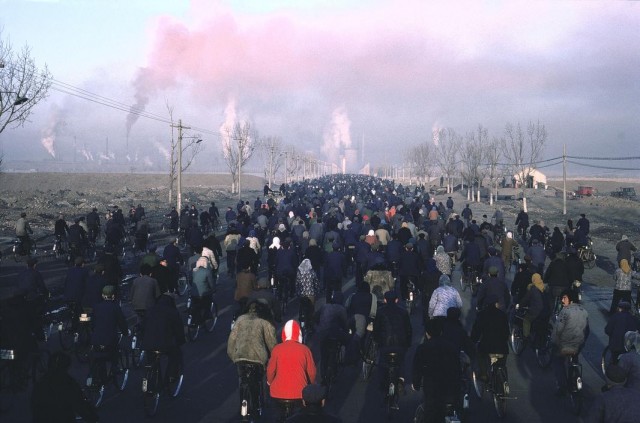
{"x":174,"y":385}
{"x":516,"y":340}
{"x":500,"y":392}
{"x":463,"y":287}
{"x":478,"y":384}
{"x":151,"y":390}
{"x":121,"y":373}
{"x":212,"y":319}
{"x":95,"y":394}
{"x":543,"y":352}
{"x":137,"y":353}
{"x":95,"y":386}
{"x":369,"y":357}
{"x":193,"y":330}
{"x":575,"y":393}
{"x":419,"y":416}
{"x":606,"y":359}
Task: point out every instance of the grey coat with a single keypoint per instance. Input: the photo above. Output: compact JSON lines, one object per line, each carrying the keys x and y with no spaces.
{"x":571,"y":329}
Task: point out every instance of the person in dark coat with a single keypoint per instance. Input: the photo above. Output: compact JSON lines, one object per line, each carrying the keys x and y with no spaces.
{"x":436,"y":369}
{"x":620,"y":323}
{"x":538,"y":255}
{"x":493,"y":290}
{"x":95,"y":283}
{"x":557,"y":276}
{"x":164,"y":332}
{"x":57,"y":397}
{"x":624,"y":247}
{"x":521,"y":281}
{"x":335,"y":268}
{"x":112,"y":269}
{"x":174,"y":260}
{"x":19,"y":330}
{"x":409,"y":268}
{"x":312,"y":411}
{"x":617,"y":403}
{"x":106,"y":321}
{"x":491,"y":334}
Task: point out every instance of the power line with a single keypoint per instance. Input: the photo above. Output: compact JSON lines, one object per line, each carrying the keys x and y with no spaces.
{"x":603,"y":167}
{"x":602,"y":158}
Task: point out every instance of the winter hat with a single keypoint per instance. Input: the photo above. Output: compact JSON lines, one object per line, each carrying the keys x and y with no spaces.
{"x":616,"y":375}
{"x":371,"y":233}
{"x":275,"y":243}
{"x":281,"y":227}
{"x":202,"y":262}
{"x":313,"y":393}
{"x":291,"y":332}
{"x":536,"y":280}
{"x":624,"y":238}
{"x":444,"y":280}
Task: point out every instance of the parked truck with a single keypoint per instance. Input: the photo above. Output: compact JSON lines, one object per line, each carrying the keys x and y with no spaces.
{"x":625,"y":192}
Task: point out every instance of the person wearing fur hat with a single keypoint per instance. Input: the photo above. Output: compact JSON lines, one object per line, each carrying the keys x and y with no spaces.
{"x":623,"y":279}
{"x":290,"y":369}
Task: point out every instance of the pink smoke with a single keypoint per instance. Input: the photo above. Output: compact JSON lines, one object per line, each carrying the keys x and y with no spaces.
{"x":337,"y":136}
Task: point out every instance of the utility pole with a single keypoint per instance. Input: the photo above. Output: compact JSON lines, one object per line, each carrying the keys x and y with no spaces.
{"x":286,"y":166}
{"x":564,"y":179}
{"x":179,"y":192}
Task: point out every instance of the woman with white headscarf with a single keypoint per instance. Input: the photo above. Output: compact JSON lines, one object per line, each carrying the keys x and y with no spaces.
{"x":272,"y":253}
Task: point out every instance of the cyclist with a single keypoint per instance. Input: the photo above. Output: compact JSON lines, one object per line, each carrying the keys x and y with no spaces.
{"x":508,"y":243}
{"x":623,"y":278}
{"x":164,"y":332}
{"x":617,"y":403}
{"x":30,"y":282}
{"x":409,"y":269}
{"x":313,"y":397}
{"x":493,"y":290}
{"x":107,"y":321}
{"x":538,"y":310}
{"x":93,"y":222}
{"x":436,"y":369}
{"x":392,"y":333}
{"x":23,"y":230}
{"x":77,"y":239}
{"x":144,"y":291}
{"x":250,"y":344}
{"x":471,"y":257}
{"x":203,"y":289}
{"x":231,"y":240}
{"x":290,"y":369}
{"x":331,"y":325}
{"x":624,"y":247}
{"x":568,"y":336}
{"x":264,"y":295}
{"x":57,"y":397}
{"x":335,"y":268}
{"x":60,"y":228}
{"x":618,"y":325}
{"x":491,"y":334}
{"x":307,"y":289}
{"x":174,"y":260}
{"x":538,"y":255}
{"x":93,"y":292}
{"x":286,"y":267}
{"x":142,"y":233}
{"x":245,"y":284}
{"x":74,"y":287}
{"x":631,"y":359}
{"x":443,"y":297}
{"x":174,"y":220}
{"x":583,"y":224}
{"x":112,"y":268}
{"x":522,"y":223}
{"x":575,"y":267}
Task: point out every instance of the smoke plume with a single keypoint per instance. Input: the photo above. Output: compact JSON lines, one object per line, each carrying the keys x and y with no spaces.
{"x":337,"y":136}
{"x":226,"y":129}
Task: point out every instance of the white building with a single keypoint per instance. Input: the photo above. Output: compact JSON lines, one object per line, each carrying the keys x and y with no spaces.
{"x":535,"y":180}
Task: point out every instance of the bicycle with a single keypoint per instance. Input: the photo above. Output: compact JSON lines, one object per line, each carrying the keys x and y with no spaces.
{"x":540,"y":342}
{"x":281,"y":287}
{"x":18,"y":249}
{"x":412,"y":294}
{"x":574,"y":383}
{"x":369,"y":352}
{"x":497,"y":383}
{"x":60,"y":247}
{"x":251,"y":390}
{"x":137,"y":332}
{"x":587,"y":255}
{"x":198,"y":314}
{"x":470,"y":279}
{"x":82,"y":338}
{"x":103,"y":370}
{"x":393,"y":382}
{"x":154,"y":383}
{"x":332,"y":357}
{"x":67,"y":326}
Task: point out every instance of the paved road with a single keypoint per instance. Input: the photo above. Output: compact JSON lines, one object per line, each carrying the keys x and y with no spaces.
{"x":210,"y":390}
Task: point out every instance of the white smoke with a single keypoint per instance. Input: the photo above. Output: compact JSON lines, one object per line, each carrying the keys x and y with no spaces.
{"x":49,"y":132}
{"x":337,"y":136}
{"x":146,"y":161}
{"x":226,"y":129}
{"x":87,"y":154}
{"x":105,"y":157}
{"x":162,"y":149}
{"x":435,"y":130}
{"x":48,"y":143}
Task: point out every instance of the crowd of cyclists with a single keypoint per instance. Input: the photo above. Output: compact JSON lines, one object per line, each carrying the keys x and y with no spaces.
{"x":299,"y":250}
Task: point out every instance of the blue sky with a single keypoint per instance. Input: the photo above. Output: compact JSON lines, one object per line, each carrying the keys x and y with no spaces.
{"x":388,"y":72}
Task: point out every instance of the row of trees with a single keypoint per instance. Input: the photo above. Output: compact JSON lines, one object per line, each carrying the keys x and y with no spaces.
{"x":476,"y":157}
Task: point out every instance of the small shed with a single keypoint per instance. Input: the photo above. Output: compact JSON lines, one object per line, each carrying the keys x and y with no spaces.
{"x":535,"y":180}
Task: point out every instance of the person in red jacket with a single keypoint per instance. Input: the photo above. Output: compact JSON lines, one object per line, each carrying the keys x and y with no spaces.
{"x":290,"y":369}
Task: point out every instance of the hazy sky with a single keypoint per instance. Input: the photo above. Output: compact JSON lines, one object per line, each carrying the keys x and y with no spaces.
{"x":325,"y":74}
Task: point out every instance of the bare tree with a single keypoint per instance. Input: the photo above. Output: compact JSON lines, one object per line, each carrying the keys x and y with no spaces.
{"x":271,"y":153}
{"x":190,"y":150}
{"x":524,"y":151}
{"x":22,"y":85}
{"x":492,"y":154}
{"x":292,"y":164}
{"x":238,"y":145}
{"x":447,"y":144}
{"x":471,"y":156}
